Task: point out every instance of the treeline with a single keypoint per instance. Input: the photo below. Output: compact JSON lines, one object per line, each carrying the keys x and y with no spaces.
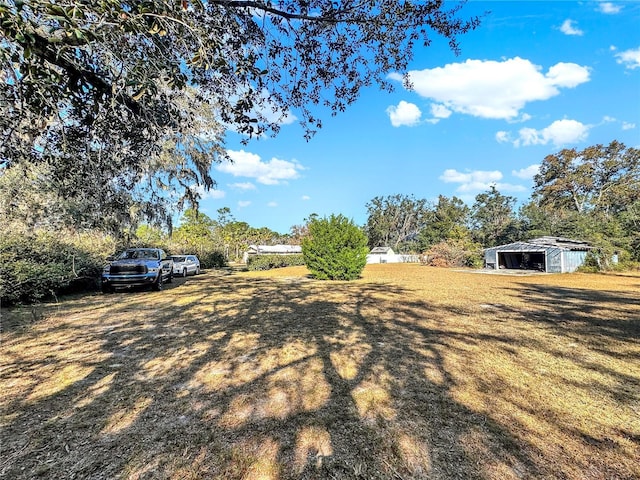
{"x":591,"y":194}
{"x":48,"y":246}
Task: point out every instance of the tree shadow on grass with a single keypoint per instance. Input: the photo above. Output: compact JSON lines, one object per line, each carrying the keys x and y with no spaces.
{"x":585,"y":311}
{"x":234,"y":377}
{"x":596,"y":336}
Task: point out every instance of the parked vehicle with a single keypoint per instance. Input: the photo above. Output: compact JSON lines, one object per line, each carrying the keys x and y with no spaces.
{"x":137,"y":267}
{"x":185,"y":265}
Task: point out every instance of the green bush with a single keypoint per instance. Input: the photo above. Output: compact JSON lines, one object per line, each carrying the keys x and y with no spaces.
{"x":336,"y":249}
{"x":212,"y":259}
{"x":267,"y":262}
{"x":35,"y":266}
{"x":602,"y":260}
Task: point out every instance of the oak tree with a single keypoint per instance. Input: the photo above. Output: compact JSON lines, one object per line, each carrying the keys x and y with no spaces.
{"x":448,"y":220}
{"x":494,"y":218}
{"x":597,"y":178}
{"x":135,"y":95}
{"x":395,"y":221}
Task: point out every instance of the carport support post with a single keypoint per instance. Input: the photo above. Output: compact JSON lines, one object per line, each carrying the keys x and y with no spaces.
{"x":497,"y":266}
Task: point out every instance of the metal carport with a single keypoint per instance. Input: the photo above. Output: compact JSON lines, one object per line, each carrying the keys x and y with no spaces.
{"x":546,"y":254}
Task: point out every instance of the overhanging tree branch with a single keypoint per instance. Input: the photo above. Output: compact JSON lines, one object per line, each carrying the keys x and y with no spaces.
{"x":43,"y":49}
{"x":336,"y":15}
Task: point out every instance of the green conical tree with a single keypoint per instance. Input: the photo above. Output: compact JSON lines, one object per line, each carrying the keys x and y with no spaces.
{"x":336,"y":249}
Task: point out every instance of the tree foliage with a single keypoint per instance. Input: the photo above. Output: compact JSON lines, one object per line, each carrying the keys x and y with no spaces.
{"x":448,"y":221}
{"x":395,"y":221}
{"x":592,"y":194}
{"x":494,"y":218}
{"x":124,"y":100}
{"x":336,"y":249}
{"x":229,"y":238}
{"x":599,"y":178}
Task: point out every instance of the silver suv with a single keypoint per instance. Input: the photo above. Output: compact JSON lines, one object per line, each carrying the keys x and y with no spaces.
{"x":185,"y":265}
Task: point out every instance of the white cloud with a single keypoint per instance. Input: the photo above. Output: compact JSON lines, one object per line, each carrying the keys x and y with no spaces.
{"x":609,"y":8}
{"x":440,"y":111}
{"x":568,"y":28}
{"x":567,"y":75}
{"x":510,"y":188}
{"x":526,"y":173}
{"x":503,"y":137}
{"x":244,"y":203}
{"x":478,"y":176}
{"x":478,"y":181}
{"x":272,"y":204}
{"x":492,"y":89}
{"x":212,"y":193}
{"x":306,"y":197}
{"x":273,"y":172}
{"x":628,"y":126}
{"x":404,"y":113}
{"x":243,"y":186}
{"x":525,"y":117}
{"x":560,"y":132}
{"x":629,"y":58}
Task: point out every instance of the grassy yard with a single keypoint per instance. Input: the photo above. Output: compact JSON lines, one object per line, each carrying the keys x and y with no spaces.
{"x":408,"y":373}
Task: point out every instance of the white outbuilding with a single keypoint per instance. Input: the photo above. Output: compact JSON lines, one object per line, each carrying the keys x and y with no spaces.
{"x":387,"y":255}
{"x":271,"y":250}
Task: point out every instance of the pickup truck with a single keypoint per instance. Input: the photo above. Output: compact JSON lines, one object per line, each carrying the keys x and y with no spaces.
{"x":137,"y":267}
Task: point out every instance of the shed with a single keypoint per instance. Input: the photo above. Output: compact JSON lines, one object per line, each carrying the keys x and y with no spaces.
{"x":545,"y":254}
{"x":387,"y":255}
{"x":381,"y":251}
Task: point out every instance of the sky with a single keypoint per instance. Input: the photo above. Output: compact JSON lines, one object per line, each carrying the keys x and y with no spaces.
{"x":534,"y":78}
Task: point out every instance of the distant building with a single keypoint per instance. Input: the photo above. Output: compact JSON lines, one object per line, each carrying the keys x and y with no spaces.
{"x":271,"y":250}
{"x":545,"y":254}
{"x":386,"y":255}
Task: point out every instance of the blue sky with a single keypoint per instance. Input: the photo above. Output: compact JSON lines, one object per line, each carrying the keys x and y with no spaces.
{"x":534,"y":78}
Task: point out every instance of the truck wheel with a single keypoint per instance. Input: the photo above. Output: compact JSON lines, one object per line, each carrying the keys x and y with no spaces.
{"x":170,"y":279}
{"x":106,"y":288}
{"x":184,"y":272}
{"x":157,"y":285}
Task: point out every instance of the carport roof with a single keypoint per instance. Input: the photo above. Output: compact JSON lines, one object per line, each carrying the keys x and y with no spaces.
{"x":543,"y":243}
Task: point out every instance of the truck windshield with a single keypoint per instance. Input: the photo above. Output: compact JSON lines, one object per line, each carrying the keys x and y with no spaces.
{"x":133,"y":254}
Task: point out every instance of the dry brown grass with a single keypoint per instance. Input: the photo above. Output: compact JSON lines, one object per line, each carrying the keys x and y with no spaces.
{"x":410,"y":372}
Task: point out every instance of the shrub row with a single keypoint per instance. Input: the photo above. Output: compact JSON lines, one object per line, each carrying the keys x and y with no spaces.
{"x":36,"y":266}
{"x":267,"y":262}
